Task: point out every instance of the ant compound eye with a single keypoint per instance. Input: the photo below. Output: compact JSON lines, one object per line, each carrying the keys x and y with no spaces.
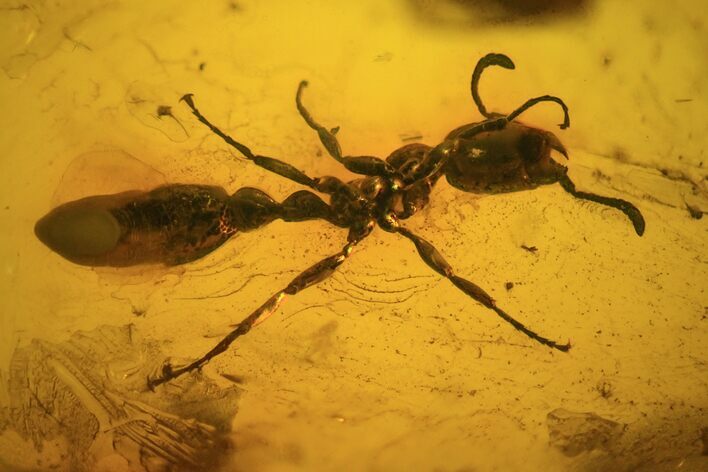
{"x":531,"y":146}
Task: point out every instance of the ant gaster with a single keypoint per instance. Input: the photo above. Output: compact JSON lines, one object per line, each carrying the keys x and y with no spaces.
{"x":178,"y":223}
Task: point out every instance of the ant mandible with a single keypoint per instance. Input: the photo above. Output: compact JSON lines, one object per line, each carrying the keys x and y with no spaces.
{"x":178,"y":223}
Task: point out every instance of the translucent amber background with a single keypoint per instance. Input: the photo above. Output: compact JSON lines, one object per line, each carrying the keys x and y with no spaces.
{"x":384,"y":366}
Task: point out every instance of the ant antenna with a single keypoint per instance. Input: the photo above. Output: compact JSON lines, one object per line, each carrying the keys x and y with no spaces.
{"x":501,"y":60}
{"x":491,"y":59}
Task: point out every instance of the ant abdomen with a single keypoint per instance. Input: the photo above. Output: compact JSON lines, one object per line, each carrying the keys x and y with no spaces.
{"x":169,"y":225}
{"x":172,"y":224}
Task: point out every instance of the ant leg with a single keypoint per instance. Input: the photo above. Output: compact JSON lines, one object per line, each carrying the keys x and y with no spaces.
{"x":416,"y":197}
{"x":632,"y":212}
{"x":491,"y":59}
{"x":437,"y":262}
{"x":274,"y":165}
{"x":315,"y":274}
{"x":362,"y":165}
{"x":328,"y":138}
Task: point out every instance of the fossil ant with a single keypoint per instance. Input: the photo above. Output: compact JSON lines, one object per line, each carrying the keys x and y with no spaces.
{"x":178,"y":223}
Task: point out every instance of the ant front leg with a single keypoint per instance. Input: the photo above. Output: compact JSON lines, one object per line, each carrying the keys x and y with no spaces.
{"x":437,"y":262}
{"x":632,"y":212}
{"x":362,"y":165}
{"x":315,"y":274}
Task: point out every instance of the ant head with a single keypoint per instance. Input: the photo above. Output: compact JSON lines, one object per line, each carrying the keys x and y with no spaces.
{"x":517,"y":157}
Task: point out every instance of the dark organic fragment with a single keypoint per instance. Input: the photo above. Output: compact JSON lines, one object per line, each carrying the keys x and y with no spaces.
{"x":81,"y":405}
{"x":574,"y":433}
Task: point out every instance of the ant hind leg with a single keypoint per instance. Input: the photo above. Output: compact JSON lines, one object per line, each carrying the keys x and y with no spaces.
{"x":437,"y":262}
{"x":311,"y":276}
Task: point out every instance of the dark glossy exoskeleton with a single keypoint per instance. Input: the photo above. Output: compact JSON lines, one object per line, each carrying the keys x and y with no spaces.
{"x":178,"y":223}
